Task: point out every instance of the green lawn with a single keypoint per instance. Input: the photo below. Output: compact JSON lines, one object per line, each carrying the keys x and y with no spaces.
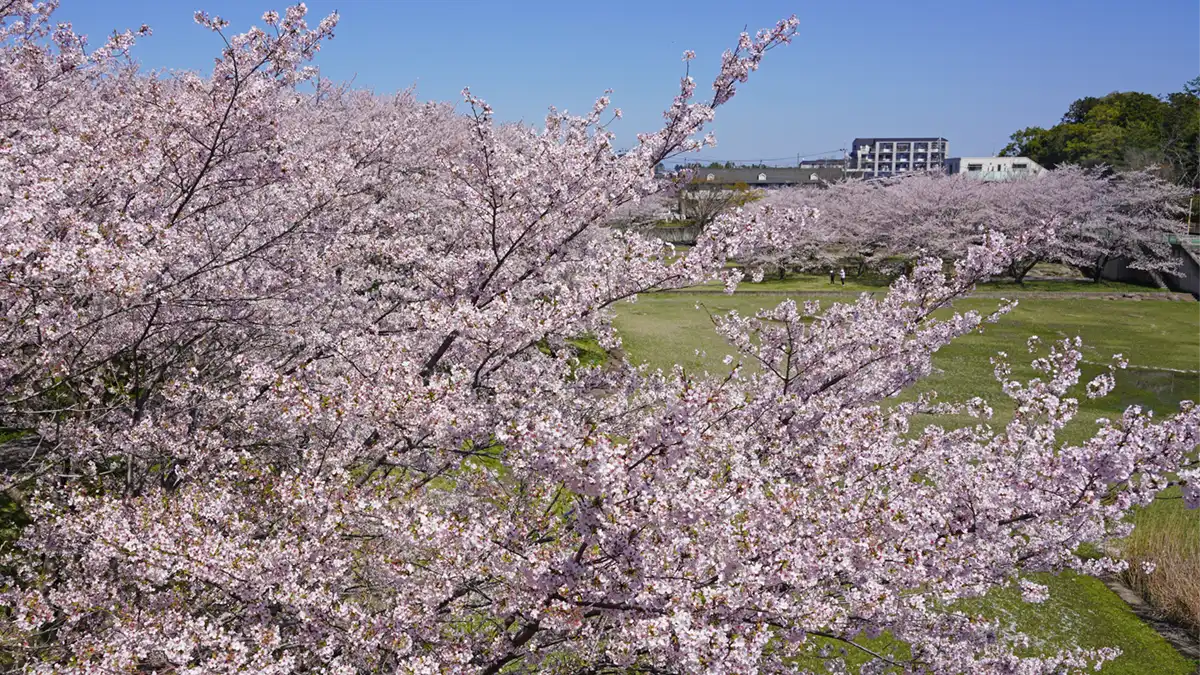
{"x":1158,"y":339}
{"x":1080,"y":611}
{"x":664,"y":329}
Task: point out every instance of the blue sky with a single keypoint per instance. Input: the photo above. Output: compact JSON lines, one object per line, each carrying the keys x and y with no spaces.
{"x":970,"y":71}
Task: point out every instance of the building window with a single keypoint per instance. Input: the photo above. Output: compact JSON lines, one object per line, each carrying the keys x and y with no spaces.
{"x":974,"y":167}
{"x":762,"y":176}
{"x":1020,"y":167}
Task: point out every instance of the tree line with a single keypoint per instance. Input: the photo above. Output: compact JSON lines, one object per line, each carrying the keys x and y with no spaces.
{"x":1125,"y":131}
{"x":1096,"y":216}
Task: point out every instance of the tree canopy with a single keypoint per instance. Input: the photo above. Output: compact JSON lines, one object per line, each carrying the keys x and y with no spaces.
{"x":1123,"y":130}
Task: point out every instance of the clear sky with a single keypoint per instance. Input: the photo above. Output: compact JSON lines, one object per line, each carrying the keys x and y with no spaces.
{"x":971,"y":71}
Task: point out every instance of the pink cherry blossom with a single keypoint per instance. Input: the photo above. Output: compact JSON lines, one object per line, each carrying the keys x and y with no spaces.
{"x":294,"y":388}
{"x":1096,"y":217}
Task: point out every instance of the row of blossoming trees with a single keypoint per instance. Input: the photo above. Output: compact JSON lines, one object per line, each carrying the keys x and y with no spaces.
{"x":286,"y":386}
{"x":1099,"y":216}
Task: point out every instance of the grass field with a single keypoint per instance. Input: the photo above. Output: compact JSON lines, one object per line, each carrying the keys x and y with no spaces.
{"x":1160,"y":339}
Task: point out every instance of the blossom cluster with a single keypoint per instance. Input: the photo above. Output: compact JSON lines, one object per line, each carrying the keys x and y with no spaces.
{"x":288,"y":384}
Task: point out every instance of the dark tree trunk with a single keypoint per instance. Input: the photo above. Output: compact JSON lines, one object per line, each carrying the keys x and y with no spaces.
{"x":1018,"y":269}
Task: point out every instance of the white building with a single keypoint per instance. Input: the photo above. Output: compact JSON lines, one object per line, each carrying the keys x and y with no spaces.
{"x":994,"y":168}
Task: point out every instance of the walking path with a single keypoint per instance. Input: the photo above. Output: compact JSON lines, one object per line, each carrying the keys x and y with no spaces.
{"x":1039,"y":295}
{"x":1183,"y":640}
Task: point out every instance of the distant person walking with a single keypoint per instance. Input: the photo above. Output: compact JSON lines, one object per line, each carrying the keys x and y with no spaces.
{"x":842,"y":272}
{"x":831,"y":276}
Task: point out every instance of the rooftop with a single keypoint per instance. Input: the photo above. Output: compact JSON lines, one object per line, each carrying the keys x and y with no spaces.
{"x":768,"y":176}
{"x":899,"y":139}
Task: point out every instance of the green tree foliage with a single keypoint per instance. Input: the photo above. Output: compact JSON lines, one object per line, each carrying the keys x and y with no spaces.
{"x":1193,"y":86}
{"x":1123,"y":130}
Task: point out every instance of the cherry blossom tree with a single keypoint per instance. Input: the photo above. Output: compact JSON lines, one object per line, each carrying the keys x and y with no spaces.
{"x":701,"y":203}
{"x":1098,"y":217}
{"x":933,"y":214}
{"x":646,"y":212}
{"x":286,"y":386}
{"x":874,"y":223}
{"x":1140,"y":212}
{"x":1069,"y":197}
{"x":798,"y":239}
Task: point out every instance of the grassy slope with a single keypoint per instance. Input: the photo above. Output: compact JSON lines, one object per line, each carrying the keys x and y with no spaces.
{"x":1167,"y":534}
{"x":665,"y":329}
{"x":1081,"y":611}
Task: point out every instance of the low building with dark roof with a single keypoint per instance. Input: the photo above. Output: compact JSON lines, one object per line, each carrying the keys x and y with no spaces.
{"x":768,"y":177}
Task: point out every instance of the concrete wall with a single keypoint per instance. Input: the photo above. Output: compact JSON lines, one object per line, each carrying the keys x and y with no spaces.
{"x":1188,"y":280}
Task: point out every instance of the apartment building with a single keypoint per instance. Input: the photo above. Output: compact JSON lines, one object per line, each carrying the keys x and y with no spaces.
{"x":880,"y":157}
